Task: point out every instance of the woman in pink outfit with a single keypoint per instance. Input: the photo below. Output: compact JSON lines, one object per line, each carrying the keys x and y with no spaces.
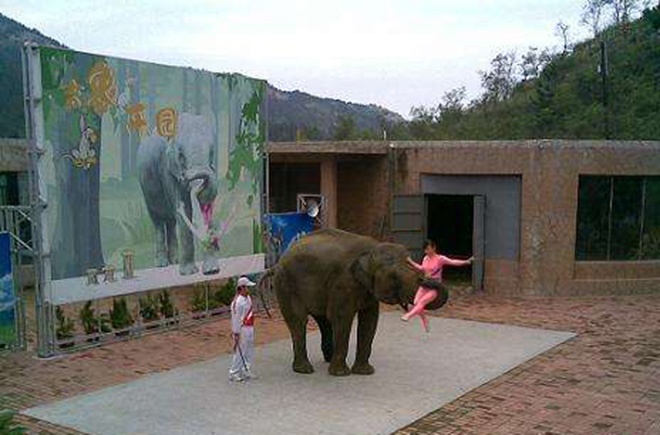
{"x":431,"y":267}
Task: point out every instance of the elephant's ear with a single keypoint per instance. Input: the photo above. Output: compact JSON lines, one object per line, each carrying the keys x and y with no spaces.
{"x":361,"y":270}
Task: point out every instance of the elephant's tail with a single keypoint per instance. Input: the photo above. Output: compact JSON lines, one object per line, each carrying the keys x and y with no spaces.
{"x":265,"y":283}
{"x":268,"y":275}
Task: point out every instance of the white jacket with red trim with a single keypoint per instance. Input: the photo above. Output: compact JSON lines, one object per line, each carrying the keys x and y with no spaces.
{"x":241,"y":313}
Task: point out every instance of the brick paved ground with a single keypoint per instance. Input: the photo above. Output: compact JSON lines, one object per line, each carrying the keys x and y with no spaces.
{"x":606,"y":381}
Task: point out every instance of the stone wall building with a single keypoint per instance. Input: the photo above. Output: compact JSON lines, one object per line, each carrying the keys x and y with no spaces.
{"x":544,"y":217}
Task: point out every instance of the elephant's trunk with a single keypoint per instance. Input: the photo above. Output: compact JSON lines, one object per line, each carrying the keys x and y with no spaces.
{"x":203,"y":192}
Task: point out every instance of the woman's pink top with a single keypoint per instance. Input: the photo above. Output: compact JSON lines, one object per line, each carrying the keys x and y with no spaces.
{"x":432,"y":266}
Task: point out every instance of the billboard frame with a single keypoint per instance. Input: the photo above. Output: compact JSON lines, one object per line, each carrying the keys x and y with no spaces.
{"x":47,"y":342}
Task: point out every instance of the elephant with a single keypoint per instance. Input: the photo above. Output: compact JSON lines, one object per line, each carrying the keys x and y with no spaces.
{"x":177,"y":176}
{"x":332,"y":275}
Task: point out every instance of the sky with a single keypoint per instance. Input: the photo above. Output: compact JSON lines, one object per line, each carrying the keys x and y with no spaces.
{"x":394,"y":53}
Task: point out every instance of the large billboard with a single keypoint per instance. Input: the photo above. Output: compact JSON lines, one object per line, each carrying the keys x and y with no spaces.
{"x":152,"y":174}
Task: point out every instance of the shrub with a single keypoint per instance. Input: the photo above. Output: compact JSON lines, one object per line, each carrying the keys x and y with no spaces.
{"x":149,"y":308}
{"x":167,"y":309}
{"x":198,"y":301}
{"x":7,"y":424}
{"x":120,"y":315}
{"x":225,"y":294}
{"x":91,"y":321}
{"x":65,"y":325}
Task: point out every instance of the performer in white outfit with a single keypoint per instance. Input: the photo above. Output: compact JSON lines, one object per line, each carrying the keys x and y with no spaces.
{"x":242,"y":327}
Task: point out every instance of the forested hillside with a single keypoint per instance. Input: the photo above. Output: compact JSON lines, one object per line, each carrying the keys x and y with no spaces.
{"x":575,"y":93}
{"x":12,"y":35}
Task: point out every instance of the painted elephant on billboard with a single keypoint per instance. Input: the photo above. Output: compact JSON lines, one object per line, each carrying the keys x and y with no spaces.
{"x":177,"y":176}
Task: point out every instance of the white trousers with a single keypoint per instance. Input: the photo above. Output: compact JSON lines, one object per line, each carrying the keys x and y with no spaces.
{"x":242,"y":360}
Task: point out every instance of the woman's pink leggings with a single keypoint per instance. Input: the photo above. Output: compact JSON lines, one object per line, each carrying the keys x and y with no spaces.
{"x":423,"y":297}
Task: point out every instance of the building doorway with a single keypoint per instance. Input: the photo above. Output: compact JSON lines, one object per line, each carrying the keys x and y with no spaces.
{"x":450,"y":224}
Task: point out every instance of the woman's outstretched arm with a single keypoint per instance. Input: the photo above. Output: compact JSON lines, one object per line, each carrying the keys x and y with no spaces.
{"x":454,"y":262}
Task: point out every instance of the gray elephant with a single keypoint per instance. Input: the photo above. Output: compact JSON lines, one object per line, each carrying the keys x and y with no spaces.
{"x":333,"y":275}
{"x":176,"y":177}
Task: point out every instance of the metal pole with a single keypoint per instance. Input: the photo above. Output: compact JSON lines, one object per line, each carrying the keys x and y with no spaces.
{"x":603,"y":74}
{"x":641,"y":219}
{"x":609,"y":219}
{"x":43,"y":309}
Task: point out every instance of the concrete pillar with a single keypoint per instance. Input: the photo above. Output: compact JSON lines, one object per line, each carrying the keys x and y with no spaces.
{"x":329,"y":190}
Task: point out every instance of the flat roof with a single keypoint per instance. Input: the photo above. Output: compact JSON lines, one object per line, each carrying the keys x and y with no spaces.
{"x":329,"y":147}
{"x":381,"y":147}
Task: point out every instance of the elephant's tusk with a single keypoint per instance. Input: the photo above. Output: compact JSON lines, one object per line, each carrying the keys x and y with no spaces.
{"x":189,"y":224}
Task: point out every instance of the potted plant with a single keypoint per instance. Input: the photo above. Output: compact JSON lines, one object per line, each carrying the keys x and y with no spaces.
{"x":120,"y":316}
{"x":167,"y":308}
{"x":65,"y":327}
{"x":198,"y":304}
{"x":150,"y":311}
{"x":93,"y":324}
{"x":7,"y":424}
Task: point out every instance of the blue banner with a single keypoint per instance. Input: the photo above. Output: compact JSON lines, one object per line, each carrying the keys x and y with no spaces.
{"x":7,"y":298}
{"x":286,"y":228}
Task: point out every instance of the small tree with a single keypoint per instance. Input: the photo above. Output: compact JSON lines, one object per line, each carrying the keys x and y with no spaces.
{"x":345,"y":129}
{"x":562,"y":30}
{"x":622,"y":10}
{"x":500,"y":81}
{"x":592,"y":14}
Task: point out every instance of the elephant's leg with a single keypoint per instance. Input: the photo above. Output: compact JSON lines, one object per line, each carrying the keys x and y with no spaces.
{"x":187,"y":264}
{"x":298,"y":328}
{"x":367,"y":323}
{"x":210,"y":265}
{"x":341,"y":328}
{"x":295,"y":316}
{"x":172,"y":242}
{"x":162,"y":252}
{"x":326,"y":337}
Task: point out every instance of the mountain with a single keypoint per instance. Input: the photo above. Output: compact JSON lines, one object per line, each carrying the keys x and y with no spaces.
{"x":291,"y":114}
{"x":568,"y":96}
{"x":12,"y":35}
{"x":294,"y":114}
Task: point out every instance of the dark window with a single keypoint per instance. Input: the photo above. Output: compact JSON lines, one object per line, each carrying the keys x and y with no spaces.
{"x":626,"y":218}
{"x":8,"y":188}
{"x":651,"y":222}
{"x":618,"y":218}
{"x":593,"y":217}
{"x":287,"y":180}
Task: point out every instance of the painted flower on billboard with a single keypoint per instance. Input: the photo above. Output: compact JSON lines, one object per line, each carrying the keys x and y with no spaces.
{"x":102,"y":86}
{"x":72,"y":99}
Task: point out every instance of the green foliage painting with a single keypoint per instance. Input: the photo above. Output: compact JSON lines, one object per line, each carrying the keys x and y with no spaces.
{"x":163,"y":162}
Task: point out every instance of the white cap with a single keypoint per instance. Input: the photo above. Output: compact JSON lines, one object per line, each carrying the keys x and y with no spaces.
{"x":244,"y":282}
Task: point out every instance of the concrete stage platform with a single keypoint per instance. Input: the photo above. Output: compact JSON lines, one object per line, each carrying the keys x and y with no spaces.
{"x":416,"y":373}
